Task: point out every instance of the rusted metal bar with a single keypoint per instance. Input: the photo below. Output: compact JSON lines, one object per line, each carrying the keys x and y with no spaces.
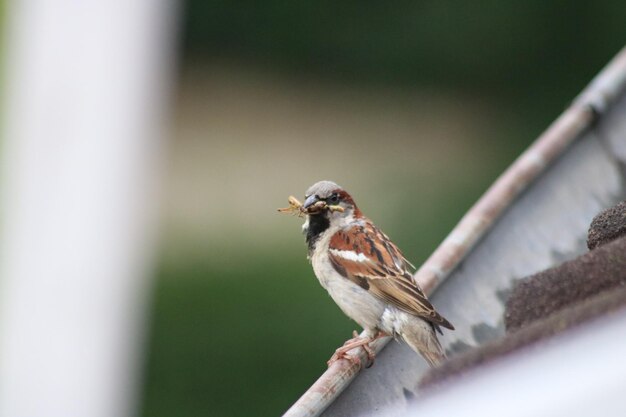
{"x":596,"y":99}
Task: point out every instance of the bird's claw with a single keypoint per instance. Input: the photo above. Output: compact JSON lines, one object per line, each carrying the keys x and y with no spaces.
{"x":338,"y":355}
{"x":356,"y":341}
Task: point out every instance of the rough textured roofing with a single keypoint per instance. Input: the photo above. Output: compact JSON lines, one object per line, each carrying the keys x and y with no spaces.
{"x":548,"y":291}
{"x":556,"y":299}
{"x":588,"y":310}
{"x":607,"y":226}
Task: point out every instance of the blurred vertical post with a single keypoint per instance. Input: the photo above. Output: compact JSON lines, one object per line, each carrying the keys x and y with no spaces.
{"x":84,"y":99}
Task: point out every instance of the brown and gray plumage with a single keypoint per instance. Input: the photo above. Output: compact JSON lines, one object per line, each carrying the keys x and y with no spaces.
{"x":367,"y":275}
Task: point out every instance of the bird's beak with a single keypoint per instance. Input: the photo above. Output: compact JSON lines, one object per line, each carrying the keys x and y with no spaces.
{"x":313,"y":205}
{"x":310,"y":200}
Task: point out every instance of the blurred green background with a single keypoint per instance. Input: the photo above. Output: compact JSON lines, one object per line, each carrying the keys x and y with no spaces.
{"x":415,"y":107}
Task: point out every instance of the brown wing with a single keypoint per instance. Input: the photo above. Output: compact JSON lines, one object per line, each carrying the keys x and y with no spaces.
{"x":366,"y":256}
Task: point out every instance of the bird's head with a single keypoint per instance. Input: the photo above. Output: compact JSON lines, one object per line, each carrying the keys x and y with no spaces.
{"x":329,"y":200}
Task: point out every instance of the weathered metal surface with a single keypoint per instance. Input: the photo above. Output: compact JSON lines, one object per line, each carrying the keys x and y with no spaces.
{"x":534,"y":216}
{"x":591,"y":380}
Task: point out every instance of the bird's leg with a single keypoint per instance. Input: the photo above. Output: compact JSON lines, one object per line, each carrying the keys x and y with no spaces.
{"x":371,"y":356}
{"x":342,"y":352}
{"x":356,"y":341}
{"x":379,"y":335}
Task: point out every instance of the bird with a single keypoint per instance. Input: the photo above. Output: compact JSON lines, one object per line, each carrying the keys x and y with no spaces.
{"x":367,"y":276}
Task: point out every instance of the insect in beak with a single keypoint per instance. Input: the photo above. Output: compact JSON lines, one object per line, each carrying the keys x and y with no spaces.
{"x":312,"y":205}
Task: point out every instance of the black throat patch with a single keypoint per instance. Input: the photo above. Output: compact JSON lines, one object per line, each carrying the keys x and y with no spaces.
{"x":317,"y":225}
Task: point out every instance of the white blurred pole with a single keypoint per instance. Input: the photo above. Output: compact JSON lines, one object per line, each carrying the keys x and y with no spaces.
{"x":84,"y":97}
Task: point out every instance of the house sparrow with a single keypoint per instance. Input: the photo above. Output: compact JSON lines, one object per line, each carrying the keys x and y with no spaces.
{"x":367,"y":276}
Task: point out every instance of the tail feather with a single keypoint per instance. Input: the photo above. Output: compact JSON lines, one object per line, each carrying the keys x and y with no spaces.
{"x":433,"y":358}
{"x":421,"y":337}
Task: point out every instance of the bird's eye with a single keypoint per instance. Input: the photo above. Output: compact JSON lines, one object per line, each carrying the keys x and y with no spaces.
{"x":333,"y":199}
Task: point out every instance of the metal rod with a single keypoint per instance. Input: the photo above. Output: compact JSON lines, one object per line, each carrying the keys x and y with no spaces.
{"x":594,"y":101}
